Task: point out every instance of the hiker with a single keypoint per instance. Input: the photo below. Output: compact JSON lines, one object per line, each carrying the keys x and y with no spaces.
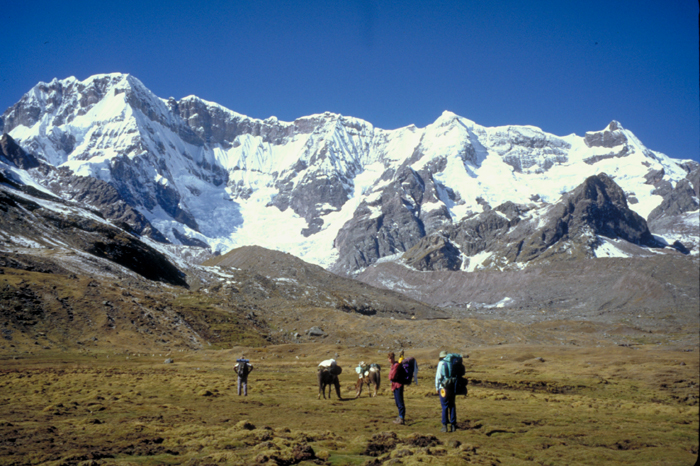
{"x":243,"y":367}
{"x":397,"y":377}
{"x":447,"y":397}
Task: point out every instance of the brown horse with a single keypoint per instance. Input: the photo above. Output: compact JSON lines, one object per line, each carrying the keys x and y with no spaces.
{"x":373,"y":378}
{"x":326,"y":379}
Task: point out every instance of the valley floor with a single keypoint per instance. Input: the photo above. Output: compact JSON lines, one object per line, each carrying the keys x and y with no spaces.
{"x":527,"y":404}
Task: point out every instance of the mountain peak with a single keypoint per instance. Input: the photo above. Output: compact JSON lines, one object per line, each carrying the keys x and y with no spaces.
{"x":613,"y":135}
{"x":614,"y":126}
{"x":446,"y":117}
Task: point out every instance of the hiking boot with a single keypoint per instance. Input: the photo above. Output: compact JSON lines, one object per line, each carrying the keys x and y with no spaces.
{"x":398,"y":420}
{"x":444,"y":428}
{"x":453,"y":428}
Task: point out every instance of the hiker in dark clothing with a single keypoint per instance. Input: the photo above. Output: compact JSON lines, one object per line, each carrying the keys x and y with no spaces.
{"x":447,"y":397}
{"x":396,"y":375}
{"x":243,"y":367}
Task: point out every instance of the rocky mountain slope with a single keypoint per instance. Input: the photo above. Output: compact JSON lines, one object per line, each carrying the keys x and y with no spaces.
{"x":649,"y":294}
{"x":291,"y":280}
{"x":126,"y":219}
{"x":71,"y":279}
{"x":192,"y":173}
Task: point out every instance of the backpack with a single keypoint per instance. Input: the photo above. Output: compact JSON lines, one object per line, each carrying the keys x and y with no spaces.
{"x":453,"y":375}
{"x":242,"y":367}
{"x":410,"y":371}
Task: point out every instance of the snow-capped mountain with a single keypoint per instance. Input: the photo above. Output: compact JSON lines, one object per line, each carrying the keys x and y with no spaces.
{"x":335,"y":190}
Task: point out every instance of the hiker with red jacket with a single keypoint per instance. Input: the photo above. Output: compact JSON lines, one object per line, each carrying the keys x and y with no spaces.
{"x":397,"y":376}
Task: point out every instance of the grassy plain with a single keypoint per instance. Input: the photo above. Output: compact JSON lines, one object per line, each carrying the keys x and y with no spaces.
{"x":527,"y":405}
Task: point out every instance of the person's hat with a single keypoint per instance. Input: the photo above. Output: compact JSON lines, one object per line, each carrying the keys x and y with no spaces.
{"x":443,"y":354}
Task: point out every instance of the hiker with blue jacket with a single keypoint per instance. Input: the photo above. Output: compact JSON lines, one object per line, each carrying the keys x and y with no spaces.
{"x":447,"y":396}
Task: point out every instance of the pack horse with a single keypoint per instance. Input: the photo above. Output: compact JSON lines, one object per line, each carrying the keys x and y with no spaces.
{"x":328,"y":372}
{"x":369,"y":375}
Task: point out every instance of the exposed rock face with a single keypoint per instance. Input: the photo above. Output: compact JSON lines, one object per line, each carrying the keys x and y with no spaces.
{"x":510,"y":234}
{"x":478,"y":234}
{"x":387,"y":226}
{"x":599,"y":207}
{"x":530,"y":149}
{"x":15,"y":154}
{"x":105,"y":198}
{"x":433,"y":252}
{"x":677,"y":215}
{"x":58,"y":224}
{"x":601,"y":204}
{"x":614,"y":138}
{"x":679,"y":200}
{"x":694,"y":178}
{"x":611,"y":137}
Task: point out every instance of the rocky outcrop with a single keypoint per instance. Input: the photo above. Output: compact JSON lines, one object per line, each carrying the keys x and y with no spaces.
{"x":694,"y":178}
{"x":212,"y":124}
{"x":610,"y":137}
{"x":106,"y":199}
{"x":481,"y":232}
{"x":676,"y":217}
{"x":313,"y":197}
{"x":13,"y":153}
{"x":388,"y":225}
{"x":434,"y":252}
{"x":597,"y":207}
{"x":529,"y":149}
{"x":679,"y":200}
{"x":58,"y":224}
{"x":510,"y":233}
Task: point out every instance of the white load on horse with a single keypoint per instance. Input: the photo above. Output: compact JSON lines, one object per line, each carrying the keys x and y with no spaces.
{"x":331,"y":366}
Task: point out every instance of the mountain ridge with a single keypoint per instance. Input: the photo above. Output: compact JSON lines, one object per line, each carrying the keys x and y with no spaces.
{"x":349,"y":194}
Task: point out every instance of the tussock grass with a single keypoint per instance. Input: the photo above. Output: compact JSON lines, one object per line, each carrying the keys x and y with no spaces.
{"x":527,"y":404}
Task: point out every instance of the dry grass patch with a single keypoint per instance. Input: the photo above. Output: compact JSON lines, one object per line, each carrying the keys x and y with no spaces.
{"x":610,"y":405}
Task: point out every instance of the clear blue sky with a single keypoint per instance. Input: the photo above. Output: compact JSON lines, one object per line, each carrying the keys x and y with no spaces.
{"x":566,"y":67}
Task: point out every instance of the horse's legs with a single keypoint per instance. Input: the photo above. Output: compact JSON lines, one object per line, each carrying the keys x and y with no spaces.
{"x":321,"y":386}
{"x":376,"y":380}
{"x":336,"y":382}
